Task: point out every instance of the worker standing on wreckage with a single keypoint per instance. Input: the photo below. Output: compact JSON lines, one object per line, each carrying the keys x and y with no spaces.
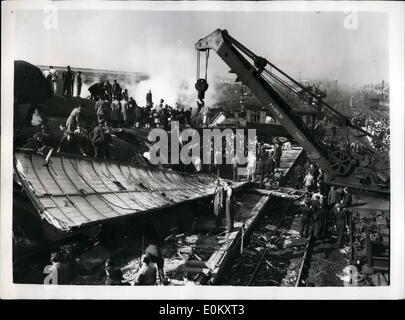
{"x":101,"y":139}
{"x":67,"y":79}
{"x":223,"y":204}
{"x":229,"y":199}
{"x":73,"y":121}
{"x":79,"y":83}
{"x":218,"y":202}
{"x":74,"y":136}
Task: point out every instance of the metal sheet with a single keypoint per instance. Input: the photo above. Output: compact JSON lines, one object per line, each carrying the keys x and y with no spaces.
{"x":72,"y":192}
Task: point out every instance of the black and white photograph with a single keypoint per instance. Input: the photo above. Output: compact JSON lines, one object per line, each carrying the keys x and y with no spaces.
{"x":202,"y":145}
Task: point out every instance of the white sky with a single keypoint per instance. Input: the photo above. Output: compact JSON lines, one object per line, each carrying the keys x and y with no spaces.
{"x":315,"y":44}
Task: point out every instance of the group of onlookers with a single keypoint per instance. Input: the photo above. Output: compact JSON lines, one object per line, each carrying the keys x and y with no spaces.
{"x":321,"y":206}
{"x":68,"y":80}
{"x":380,"y":129}
{"x":119,"y":110}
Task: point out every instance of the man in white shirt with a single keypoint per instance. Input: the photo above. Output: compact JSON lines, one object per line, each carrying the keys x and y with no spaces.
{"x":251,"y":165}
{"x":54,"y":79}
{"x":308,"y":182}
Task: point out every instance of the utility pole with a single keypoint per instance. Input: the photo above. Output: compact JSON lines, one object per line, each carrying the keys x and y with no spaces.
{"x":382,"y":90}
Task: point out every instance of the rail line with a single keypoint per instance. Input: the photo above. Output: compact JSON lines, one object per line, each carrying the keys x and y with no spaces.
{"x":275,"y":253}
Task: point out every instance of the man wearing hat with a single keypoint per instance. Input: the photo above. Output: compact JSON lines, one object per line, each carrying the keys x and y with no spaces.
{"x":306,"y":218}
{"x":67,"y":79}
{"x":100,"y":140}
{"x":340,"y":222}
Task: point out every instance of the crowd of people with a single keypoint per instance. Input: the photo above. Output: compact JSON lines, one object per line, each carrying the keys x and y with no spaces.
{"x":68,"y":81}
{"x":269,"y":167}
{"x":380,"y":128}
{"x":319,"y":212}
{"x":112,"y":111}
{"x":322,"y":205}
{"x":118,"y":109}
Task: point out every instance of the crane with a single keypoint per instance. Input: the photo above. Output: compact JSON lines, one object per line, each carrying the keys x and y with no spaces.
{"x":278,"y":92}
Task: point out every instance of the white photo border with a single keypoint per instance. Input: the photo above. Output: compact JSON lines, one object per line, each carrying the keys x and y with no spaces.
{"x":395,"y":14}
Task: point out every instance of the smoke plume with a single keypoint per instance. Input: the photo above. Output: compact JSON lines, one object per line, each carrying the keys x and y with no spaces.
{"x":172,"y":75}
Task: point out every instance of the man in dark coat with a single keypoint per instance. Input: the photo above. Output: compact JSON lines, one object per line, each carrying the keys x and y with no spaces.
{"x":229,"y":214}
{"x":96,"y":90}
{"x":341,"y":222}
{"x":333,"y":197}
{"x":298,"y":176}
{"x":108,"y":89}
{"x":277,"y":155}
{"x":107,"y":111}
{"x":266,"y":168}
{"x":306,"y":217}
{"x":316,"y":223}
{"x":149,"y":101}
{"x":347,"y":198}
{"x":116,"y":90}
{"x":67,"y":79}
{"x":323,"y":214}
{"x":315,"y":171}
{"x":79,"y":83}
{"x":132,"y":110}
{"x":218,"y":203}
{"x":139,"y":117}
{"x":100,"y":141}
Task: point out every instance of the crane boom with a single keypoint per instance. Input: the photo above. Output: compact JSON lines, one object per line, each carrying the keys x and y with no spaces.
{"x":340,"y":167}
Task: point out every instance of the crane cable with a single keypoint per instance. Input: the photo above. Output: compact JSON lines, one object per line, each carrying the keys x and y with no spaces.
{"x":206,"y":64}
{"x":198,"y":65}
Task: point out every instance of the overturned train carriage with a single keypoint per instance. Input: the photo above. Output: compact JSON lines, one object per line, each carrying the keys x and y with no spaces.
{"x":71,"y":193}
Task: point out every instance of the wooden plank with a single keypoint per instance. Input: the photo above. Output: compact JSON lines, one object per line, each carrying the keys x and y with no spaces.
{"x":217,"y":259}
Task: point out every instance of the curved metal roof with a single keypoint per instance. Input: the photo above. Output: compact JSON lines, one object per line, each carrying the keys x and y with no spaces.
{"x":72,"y":192}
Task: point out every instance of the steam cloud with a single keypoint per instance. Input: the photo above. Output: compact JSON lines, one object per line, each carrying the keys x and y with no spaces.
{"x":172,"y":75}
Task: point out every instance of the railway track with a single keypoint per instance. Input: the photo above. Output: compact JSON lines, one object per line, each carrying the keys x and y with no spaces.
{"x":274,"y":254}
